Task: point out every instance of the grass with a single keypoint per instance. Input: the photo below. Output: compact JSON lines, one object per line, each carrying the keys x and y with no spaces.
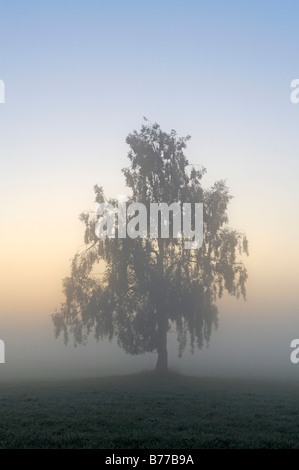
{"x":144,"y":411}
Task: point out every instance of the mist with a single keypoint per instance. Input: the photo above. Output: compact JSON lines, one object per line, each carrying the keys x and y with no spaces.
{"x":247,"y":344}
{"x":59,"y":136}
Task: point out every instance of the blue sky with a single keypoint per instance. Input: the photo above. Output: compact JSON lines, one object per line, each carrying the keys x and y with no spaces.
{"x":84,"y":73}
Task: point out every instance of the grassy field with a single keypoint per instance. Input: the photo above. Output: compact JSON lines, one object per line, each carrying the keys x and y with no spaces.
{"x":145,"y":412}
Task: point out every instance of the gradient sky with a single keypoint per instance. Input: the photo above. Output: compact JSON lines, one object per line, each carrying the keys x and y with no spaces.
{"x":79,"y":76}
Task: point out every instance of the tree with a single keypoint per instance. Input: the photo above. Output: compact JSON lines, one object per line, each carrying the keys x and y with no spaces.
{"x":148,"y":285}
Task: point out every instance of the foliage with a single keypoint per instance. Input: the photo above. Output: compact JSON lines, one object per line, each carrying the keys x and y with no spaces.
{"x":147,"y":285}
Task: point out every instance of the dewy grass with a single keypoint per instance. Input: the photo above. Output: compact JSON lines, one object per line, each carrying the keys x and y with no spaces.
{"x":147,"y":411}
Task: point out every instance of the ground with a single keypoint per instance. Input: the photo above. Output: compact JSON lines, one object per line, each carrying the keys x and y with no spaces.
{"x":147,"y":412}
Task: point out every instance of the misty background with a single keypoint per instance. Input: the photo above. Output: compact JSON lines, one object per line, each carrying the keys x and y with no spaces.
{"x":79,"y":76}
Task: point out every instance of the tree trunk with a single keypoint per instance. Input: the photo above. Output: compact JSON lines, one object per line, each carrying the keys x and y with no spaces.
{"x":162,"y":361}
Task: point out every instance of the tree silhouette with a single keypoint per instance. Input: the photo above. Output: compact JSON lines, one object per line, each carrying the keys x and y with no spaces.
{"x":148,"y":285}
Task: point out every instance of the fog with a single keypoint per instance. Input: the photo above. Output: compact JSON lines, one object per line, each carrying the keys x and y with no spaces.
{"x":246,"y":344}
{"x":71,"y":99}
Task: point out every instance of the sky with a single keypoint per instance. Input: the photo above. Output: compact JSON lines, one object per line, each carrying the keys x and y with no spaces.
{"x":79,"y":77}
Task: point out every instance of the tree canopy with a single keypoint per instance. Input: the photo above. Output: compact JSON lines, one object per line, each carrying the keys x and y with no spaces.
{"x":135,"y":290}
